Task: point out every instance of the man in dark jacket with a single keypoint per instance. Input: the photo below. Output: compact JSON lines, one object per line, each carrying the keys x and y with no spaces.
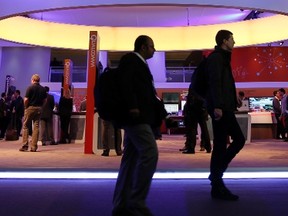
{"x":140,"y":112}
{"x":17,"y":107}
{"x":195,"y":113}
{"x":46,"y":120}
{"x":221,"y":103}
{"x":3,"y":115}
{"x":277,"y":112}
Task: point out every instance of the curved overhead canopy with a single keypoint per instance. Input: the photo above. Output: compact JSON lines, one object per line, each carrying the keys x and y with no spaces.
{"x":60,"y":35}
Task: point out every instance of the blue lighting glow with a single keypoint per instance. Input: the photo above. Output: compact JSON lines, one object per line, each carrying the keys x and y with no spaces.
{"x":157,"y":175}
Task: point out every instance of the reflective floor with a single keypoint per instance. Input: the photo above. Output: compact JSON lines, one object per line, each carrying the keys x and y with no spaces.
{"x":169,"y":197}
{"x":258,"y":197}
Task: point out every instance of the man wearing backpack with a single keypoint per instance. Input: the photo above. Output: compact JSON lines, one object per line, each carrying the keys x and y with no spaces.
{"x":140,"y":111}
{"x":221,"y":103}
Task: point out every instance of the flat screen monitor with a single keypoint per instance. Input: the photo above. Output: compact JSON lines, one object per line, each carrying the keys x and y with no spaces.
{"x":172,"y":108}
{"x":171,"y":97}
{"x":261,"y":103}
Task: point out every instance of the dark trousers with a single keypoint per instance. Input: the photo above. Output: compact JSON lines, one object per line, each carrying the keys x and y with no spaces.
{"x":279,"y":127}
{"x":46,"y":132}
{"x":191,"y":123}
{"x":64,"y":124}
{"x":137,"y":167}
{"x":223,"y":155}
{"x":4,"y":125}
{"x":111,"y":130}
{"x":19,"y":125}
{"x":284,"y":120}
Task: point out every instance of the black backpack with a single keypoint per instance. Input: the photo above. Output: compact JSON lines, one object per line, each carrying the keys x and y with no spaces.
{"x":199,"y":79}
{"x":107,"y":97}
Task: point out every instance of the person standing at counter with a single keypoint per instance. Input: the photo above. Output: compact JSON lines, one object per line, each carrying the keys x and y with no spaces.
{"x":277,"y":112}
{"x":110,"y":130}
{"x":195,"y":113}
{"x":222,"y":103}
{"x":34,"y":99}
{"x":284,"y":112}
{"x":65,"y":112}
{"x":3,"y":115}
{"x":46,"y":122}
{"x":83,"y":105}
{"x":17,"y":107}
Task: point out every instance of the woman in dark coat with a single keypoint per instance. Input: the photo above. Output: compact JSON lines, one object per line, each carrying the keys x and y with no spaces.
{"x":65,"y":112}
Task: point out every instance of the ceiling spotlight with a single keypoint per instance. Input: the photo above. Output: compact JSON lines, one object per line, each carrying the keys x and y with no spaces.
{"x":281,"y":43}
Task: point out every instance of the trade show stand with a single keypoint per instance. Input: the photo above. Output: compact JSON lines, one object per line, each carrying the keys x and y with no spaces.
{"x":263,"y":125}
{"x":77,"y":127}
{"x":243,"y":118}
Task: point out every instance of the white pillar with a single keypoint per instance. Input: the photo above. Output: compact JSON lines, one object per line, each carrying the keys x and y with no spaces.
{"x":157,"y":67}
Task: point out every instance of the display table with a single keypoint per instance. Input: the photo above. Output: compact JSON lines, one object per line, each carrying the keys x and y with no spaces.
{"x":244,"y":121}
{"x":263,"y":125}
{"x":77,"y":127}
{"x":243,"y":118}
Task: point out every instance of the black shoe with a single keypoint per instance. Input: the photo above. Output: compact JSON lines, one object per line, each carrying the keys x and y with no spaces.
{"x":119,"y":153}
{"x":105,"y":153}
{"x":33,"y":150}
{"x":53,"y":143}
{"x":183,"y":149}
{"x":188,"y":151}
{"x":208,"y":150}
{"x":222,"y":193}
{"x":24,"y":148}
{"x":202,"y":149}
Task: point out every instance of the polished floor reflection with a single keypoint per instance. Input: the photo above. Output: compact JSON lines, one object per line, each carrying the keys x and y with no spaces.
{"x":263,"y":197}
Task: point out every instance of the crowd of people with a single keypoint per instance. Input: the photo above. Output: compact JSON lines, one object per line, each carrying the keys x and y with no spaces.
{"x":140,"y":118}
{"x":32,"y":116}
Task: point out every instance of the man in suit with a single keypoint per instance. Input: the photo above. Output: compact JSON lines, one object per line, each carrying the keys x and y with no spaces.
{"x":277,"y":112}
{"x":284,"y":112}
{"x":17,"y":107}
{"x":139,"y":114}
{"x":46,"y":120}
{"x":3,"y":115}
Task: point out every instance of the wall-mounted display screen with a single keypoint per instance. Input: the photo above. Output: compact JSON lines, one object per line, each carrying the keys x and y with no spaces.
{"x":260,"y":103}
{"x":171,"y":97}
{"x":172,"y":108}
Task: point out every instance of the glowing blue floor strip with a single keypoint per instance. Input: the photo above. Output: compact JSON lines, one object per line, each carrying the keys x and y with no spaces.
{"x":157,"y":175}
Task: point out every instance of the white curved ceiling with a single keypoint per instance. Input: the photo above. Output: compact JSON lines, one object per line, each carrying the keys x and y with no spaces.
{"x":145,"y":16}
{"x":137,"y":13}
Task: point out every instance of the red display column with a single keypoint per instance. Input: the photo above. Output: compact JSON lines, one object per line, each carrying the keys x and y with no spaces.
{"x":67,"y":75}
{"x":93,"y":58}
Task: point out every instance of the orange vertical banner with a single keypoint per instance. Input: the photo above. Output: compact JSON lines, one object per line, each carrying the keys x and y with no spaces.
{"x":67,"y":74}
{"x":93,"y":58}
